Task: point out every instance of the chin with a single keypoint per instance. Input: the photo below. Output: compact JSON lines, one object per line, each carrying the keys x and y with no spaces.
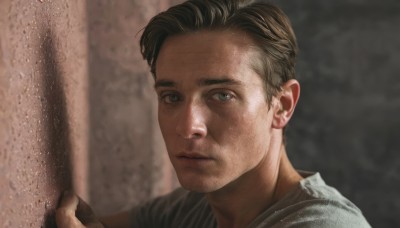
{"x":198,"y":188}
{"x":196,"y":184}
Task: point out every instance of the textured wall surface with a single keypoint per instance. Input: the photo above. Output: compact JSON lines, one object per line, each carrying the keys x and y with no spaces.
{"x":347,"y":124}
{"x":128,"y":161}
{"x":43,"y":108}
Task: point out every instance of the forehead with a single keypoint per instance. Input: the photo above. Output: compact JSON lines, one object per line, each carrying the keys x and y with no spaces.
{"x":206,"y":52}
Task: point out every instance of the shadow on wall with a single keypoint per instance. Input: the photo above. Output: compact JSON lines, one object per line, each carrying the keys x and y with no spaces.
{"x":56,"y":123}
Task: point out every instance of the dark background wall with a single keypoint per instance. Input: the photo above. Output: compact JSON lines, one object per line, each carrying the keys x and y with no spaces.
{"x":347,"y":124}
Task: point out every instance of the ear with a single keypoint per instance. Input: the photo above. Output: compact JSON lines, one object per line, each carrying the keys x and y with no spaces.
{"x":286,"y":103}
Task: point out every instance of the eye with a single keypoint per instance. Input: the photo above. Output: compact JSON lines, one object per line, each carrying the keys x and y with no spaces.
{"x":222,"y":96}
{"x":170,"y":98}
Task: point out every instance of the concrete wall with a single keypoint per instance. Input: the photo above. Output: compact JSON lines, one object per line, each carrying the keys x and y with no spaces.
{"x":43,"y":108}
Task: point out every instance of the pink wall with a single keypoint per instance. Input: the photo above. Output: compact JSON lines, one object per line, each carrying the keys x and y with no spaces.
{"x":77,"y":108}
{"x":43,"y":108}
{"x":128,"y":160}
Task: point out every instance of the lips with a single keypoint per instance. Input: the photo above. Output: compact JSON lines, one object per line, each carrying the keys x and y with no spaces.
{"x":186,"y":155}
{"x":193,"y":159}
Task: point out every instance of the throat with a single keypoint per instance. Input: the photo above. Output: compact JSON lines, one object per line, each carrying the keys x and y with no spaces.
{"x":239,"y":203}
{"x":243,"y":200}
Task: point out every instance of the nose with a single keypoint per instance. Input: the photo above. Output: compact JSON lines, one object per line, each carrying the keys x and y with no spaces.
{"x":191,"y":122}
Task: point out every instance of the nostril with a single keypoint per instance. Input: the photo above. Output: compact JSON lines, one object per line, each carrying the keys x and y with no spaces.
{"x":193,"y":132}
{"x":191,"y":136}
{"x":197,"y":135}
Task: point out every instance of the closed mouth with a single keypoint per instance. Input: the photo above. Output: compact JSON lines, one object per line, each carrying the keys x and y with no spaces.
{"x":193,"y":156}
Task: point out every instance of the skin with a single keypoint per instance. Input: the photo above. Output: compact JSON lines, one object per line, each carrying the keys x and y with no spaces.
{"x":222,"y":136}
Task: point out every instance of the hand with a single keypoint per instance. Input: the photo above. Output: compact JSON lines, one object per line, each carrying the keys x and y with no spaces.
{"x":73,"y":212}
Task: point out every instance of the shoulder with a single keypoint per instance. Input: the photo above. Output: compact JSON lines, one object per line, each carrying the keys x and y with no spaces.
{"x":314,"y":204}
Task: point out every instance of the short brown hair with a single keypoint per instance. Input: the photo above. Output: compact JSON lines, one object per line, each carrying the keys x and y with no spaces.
{"x":265,"y":23}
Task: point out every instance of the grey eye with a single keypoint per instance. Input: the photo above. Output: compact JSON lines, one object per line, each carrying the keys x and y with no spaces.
{"x":171,"y":98}
{"x":222,"y":96}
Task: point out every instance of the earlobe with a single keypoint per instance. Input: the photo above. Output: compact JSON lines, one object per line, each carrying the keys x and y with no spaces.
{"x":286,"y":103}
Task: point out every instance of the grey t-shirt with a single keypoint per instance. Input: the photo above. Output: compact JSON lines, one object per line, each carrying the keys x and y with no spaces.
{"x":311,"y":204}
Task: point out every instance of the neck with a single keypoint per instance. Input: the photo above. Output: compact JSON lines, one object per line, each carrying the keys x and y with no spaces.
{"x":240,"y":202}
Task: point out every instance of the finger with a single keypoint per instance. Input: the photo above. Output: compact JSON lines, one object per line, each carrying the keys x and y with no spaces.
{"x":65,"y":214}
{"x":69,"y":202}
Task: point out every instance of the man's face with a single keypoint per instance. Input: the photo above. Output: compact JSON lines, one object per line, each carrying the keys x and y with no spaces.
{"x":212,"y":109}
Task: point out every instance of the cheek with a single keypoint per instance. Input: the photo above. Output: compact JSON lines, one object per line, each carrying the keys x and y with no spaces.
{"x":244,"y":133}
{"x":166,"y":126}
{"x":239,"y":122}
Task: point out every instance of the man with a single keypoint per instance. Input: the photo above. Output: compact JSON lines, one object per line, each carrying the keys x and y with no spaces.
{"x":225,"y":79}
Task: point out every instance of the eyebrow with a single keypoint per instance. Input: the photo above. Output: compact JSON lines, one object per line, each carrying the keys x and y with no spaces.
{"x":201,"y":82}
{"x":212,"y":81}
{"x":164,"y":83}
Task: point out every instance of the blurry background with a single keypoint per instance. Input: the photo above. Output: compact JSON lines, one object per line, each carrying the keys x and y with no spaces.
{"x":347,"y":124}
{"x":77,"y":108}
